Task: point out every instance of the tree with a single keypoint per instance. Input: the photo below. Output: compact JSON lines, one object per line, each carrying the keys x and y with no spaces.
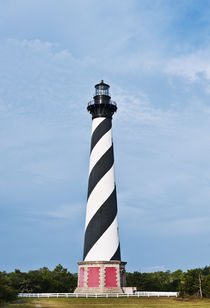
{"x":44,"y":280}
{"x":7,"y":293}
{"x":191,"y":283}
{"x":65,"y":281}
{"x":206,"y":285}
{"x":175,"y":280}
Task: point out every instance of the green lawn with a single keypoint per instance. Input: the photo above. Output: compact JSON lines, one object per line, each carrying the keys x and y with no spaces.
{"x":111,"y":303}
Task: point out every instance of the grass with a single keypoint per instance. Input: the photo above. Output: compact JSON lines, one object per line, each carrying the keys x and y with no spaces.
{"x":111,"y":303}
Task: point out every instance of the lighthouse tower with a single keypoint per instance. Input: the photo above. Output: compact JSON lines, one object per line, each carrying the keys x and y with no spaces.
{"x":102,"y":270}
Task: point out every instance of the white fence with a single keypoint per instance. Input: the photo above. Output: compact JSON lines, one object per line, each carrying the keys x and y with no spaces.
{"x":77,"y":295}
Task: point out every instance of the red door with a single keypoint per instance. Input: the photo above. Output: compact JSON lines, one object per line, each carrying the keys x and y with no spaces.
{"x":110,"y":277}
{"x":93,"y":277}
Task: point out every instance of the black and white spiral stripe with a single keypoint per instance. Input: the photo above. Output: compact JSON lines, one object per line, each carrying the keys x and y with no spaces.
{"x":101,"y":229}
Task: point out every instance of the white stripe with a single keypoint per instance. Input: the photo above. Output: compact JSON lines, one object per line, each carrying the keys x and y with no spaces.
{"x":100,"y":148}
{"x":99,"y":195}
{"x":96,"y":122}
{"x":106,"y":246}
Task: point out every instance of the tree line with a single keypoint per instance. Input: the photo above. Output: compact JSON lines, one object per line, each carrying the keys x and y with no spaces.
{"x":59,"y":280}
{"x":194,"y":282}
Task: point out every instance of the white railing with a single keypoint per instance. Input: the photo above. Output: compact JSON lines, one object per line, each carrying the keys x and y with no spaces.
{"x":111,"y":102}
{"x":77,"y":295}
{"x":155,"y":293}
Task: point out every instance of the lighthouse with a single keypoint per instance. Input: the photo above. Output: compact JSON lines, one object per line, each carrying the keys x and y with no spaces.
{"x":101,"y":270}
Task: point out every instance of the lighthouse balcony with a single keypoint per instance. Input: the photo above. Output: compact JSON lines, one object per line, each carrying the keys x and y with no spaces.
{"x":108,"y":102}
{"x":102,"y":107}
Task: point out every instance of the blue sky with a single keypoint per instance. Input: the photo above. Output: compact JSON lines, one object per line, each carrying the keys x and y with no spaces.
{"x":156,"y":57}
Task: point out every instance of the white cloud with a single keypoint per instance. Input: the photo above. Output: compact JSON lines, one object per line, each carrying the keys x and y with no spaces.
{"x":72,"y":212}
{"x":168,"y":221}
{"x":192,"y":65}
{"x":154,"y":268}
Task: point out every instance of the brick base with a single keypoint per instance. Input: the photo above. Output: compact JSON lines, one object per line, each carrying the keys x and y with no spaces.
{"x":101,"y":277}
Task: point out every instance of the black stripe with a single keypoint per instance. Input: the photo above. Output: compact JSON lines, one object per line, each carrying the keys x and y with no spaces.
{"x":117,"y":255}
{"x":100,"y":130}
{"x":100,"y":222}
{"x":100,"y":169}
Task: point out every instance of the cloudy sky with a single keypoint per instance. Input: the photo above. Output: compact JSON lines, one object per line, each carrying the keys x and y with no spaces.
{"x":156,"y":57}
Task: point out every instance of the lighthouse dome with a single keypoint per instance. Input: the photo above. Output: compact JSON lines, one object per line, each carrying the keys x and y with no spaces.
{"x":102,"y":88}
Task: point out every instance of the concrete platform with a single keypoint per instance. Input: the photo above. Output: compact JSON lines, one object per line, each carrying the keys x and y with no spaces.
{"x":101,"y":277}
